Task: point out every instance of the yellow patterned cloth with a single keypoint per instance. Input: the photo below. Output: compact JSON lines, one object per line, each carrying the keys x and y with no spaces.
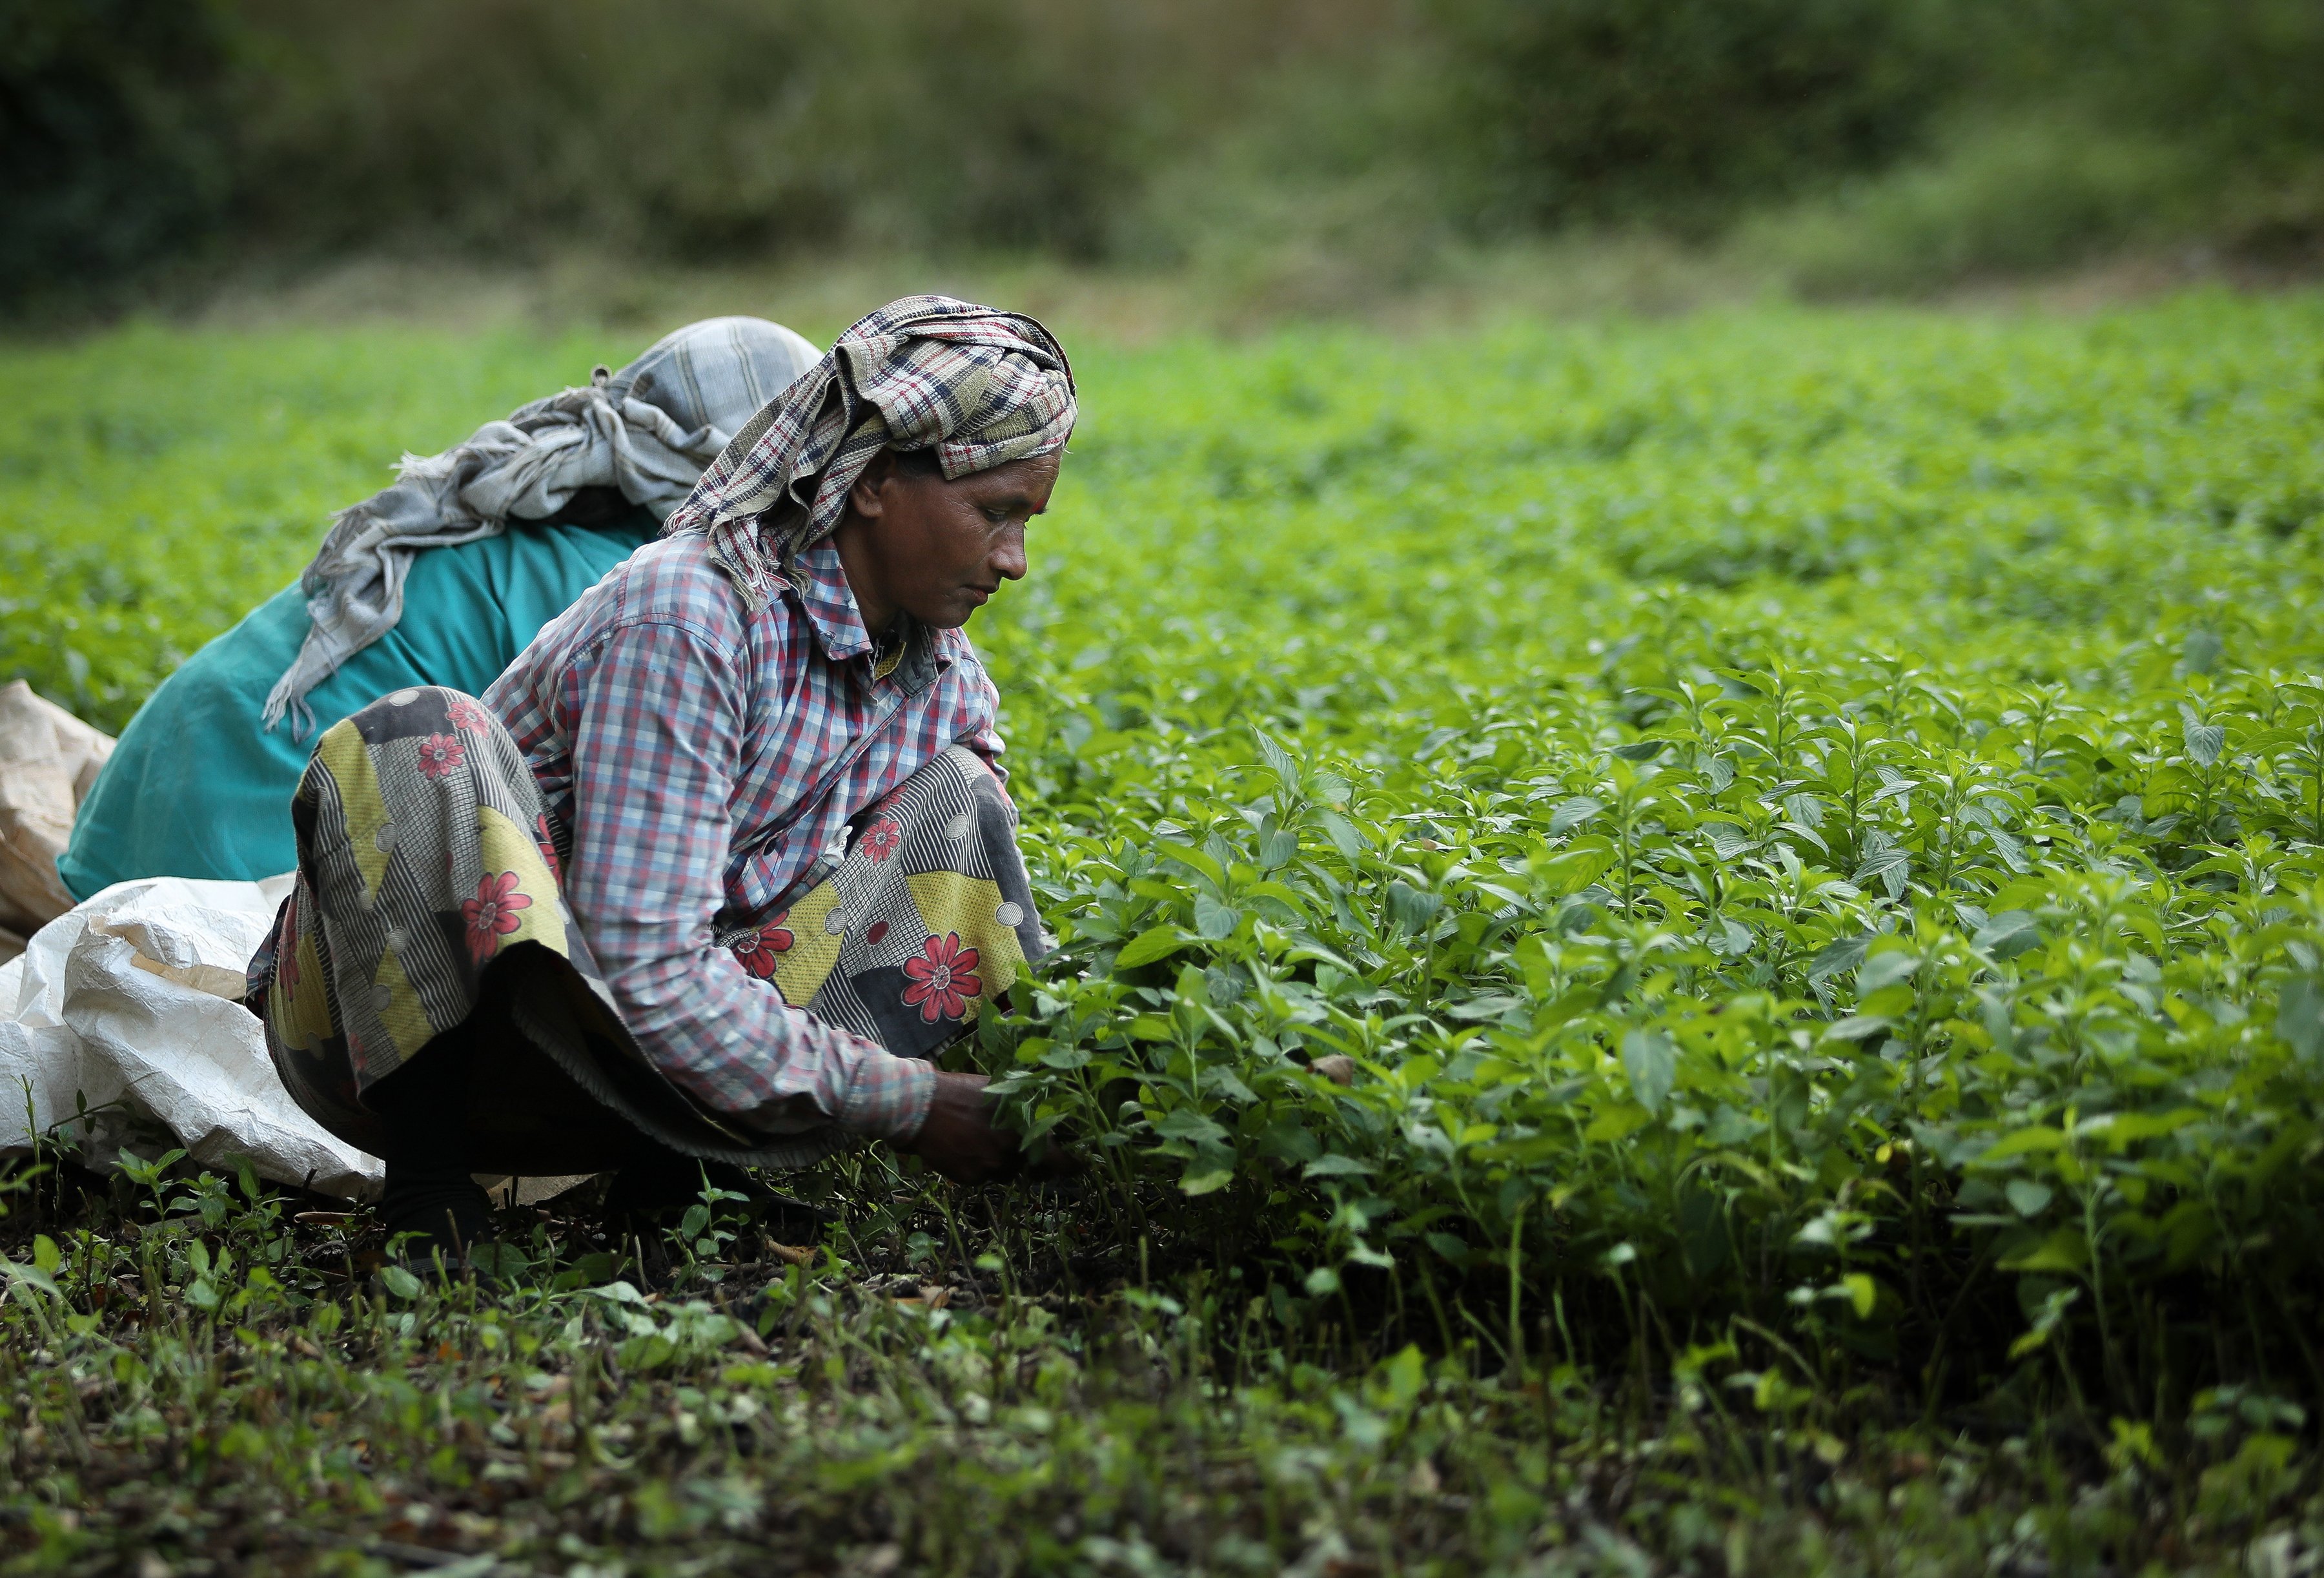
{"x":928,"y":918}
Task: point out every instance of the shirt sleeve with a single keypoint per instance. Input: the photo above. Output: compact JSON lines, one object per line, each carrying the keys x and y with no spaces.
{"x":984,"y":738}
{"x":656,"y":713}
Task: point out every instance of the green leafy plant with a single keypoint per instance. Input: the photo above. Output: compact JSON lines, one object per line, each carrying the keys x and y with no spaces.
{"x":1799,"y":831}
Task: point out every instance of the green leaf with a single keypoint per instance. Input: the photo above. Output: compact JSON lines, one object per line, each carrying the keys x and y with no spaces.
{"x":2204,"y":742}
{"x":1403,"y":1377}
{"x":2063,"y":1251}
{"x":31,"y":1276}
{"x":1893,"y":867}
{"x":2027,"y":1197}
{"x":1650,"y":1058}
{"x":2300,"y":1018}
{"x":1344,"y":835}
{"x":2120,"y":1130}
{"x":2022,"y":1142}
{"x":1614,"y":1123}
{"x":1207,"y":1175}
{"x":1573,"y":812}
{"x":1279,"y":762}
{"x":1837,"y":958}
{"x":1219,"y":1080}
{"x":398,"y":1281}
{"x":46,"y":1256}
{"x":646,"y":1350}
{"x":2007,"y":935}
{"x":1335,"y":1166}
{"x":1214,"y":921}
{"x":2201,"y":651}
{"x":504,"y":1260}
{"x":1412,"y":908}
{"x":1576,"y":866}
{"x":1886,"y":969}
{"x":1446,"y":1245}
{"x":1188,"y":1124}
{"x":1147,"y":946}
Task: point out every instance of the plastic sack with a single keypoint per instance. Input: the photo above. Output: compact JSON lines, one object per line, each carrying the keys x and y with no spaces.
{"x":126,"y":1009}
{"x":48,"y":760}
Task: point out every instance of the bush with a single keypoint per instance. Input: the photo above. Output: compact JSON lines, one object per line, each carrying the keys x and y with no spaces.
{"x":2239,"y":78}
{"x":109,"y":114}
{"x":1595,"y":106}
{"x":2008,"y":195}
{"x":1314,"y":151}
{"x":723,"y":126}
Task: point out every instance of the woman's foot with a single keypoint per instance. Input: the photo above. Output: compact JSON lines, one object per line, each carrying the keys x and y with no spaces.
{"x":438,"y":1214}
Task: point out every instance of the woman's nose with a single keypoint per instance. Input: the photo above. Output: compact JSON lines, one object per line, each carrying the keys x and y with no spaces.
{"x":1008,"y":554}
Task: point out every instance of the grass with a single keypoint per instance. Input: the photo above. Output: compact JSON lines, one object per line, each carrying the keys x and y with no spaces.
{"x":1806,"y":821}
{"x":2027,"y":194}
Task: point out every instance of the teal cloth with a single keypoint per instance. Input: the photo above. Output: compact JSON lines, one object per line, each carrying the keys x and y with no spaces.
{"x":195,"y":788}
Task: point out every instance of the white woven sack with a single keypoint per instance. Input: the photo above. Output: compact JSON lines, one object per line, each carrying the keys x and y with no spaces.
{"x":130,"y":999}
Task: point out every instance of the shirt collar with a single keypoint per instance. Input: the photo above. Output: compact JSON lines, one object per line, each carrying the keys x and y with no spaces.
{"x":820,"y":581}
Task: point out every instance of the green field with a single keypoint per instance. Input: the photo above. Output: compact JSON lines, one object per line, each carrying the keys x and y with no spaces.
{"x":1808,"y":822}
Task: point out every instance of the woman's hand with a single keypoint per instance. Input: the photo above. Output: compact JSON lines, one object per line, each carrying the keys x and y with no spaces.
{"x":958,"y":1138}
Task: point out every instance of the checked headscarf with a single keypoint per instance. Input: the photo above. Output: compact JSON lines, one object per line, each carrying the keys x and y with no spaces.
{"x":980,"y":386}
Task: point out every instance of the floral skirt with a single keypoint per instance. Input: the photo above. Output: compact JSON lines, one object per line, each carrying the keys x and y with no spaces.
{"x":429,"y":912}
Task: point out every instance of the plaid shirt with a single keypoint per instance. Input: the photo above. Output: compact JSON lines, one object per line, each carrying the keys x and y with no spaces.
{"x":705,"y":759}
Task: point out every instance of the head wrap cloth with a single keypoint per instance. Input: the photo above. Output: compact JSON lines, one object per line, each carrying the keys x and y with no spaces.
{"x":981,"y":387}
{"x":647,"y":431}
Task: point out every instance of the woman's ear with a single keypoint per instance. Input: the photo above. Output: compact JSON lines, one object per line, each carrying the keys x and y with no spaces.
{"x":865,"y":497}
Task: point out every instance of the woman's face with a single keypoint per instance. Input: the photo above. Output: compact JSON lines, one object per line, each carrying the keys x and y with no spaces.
{"x":916,"y":543}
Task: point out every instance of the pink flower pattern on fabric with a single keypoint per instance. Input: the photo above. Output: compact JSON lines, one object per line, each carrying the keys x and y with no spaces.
{"x":758,"y":950}
{"x":882,"y":838}
{"x":942,"y":979}
{"x":467,"y":715}
{"x":286,"y":946}
{"x":492,"y":913}
{"x":440,"y":753}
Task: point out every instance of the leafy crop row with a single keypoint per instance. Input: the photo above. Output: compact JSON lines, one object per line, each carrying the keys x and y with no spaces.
{"x":1807,"y":824}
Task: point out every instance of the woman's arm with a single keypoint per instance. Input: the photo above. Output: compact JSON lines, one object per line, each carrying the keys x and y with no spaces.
{"x":656,"y":712}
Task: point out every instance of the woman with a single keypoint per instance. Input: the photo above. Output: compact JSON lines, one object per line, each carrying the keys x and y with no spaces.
{"x":722,"y":858}
{"x":515,"y":523}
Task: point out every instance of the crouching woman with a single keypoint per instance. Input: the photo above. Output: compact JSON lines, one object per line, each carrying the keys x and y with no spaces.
{"x":723,"y":860}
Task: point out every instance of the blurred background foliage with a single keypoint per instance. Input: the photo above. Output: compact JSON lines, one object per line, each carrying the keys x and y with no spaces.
{"x":1844,"y":144}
